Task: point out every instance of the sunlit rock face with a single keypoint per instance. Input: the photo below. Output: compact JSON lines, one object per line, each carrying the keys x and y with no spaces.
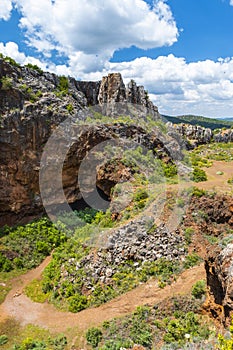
{"x":32,"y":105}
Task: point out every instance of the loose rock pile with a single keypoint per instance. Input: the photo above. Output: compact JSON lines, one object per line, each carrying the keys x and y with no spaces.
{"x":132,"y":244}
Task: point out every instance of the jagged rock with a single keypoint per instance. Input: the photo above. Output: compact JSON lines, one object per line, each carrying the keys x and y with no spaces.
{"x":131,"y":242}
{"x":31,"y":107}
{"x":219,"y":271}
{"x":198,"y":135}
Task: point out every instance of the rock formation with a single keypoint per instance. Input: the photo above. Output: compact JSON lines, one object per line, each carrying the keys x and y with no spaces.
{"x":32,"y":104}
{"x":198,"y":135}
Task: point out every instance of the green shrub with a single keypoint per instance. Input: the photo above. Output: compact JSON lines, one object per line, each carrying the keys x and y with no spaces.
{"x":199,"y":289}
{"x":198,"y":175}
{"x":94,"y":336}
{"x":11,"y":61}
{"x":3,"y":339}
{"x":230,"y":181}
{"x":34,"y":67}
{"x":70,"y":108}
{"x":189,"y":231}
{"x":77,"y":303}
{"x":141,"y":194}
{"x":170,"y":169}
{"x":6,"y":83}
{"x":198,"y":192}
{"x":29,"y":244}
{"x":63,"y":85}
{"x":191,"y":260}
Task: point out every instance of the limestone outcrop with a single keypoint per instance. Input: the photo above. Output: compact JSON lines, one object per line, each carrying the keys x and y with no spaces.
{"x":198,"y":135}
{"x":32,"y":105}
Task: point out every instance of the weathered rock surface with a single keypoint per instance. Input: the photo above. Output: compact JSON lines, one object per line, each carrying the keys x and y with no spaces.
{"x":132,"y":242}
{"x":198,"y":135}
{"x":32,"y":105}
{"x":219,"y":270}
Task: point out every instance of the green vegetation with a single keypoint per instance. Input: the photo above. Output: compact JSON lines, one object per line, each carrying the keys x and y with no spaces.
{"x":3,"y":339}
{"x":11,"y":61}
{"x":6,"y":83}
{"x":226,"y":343}
{"x":24,"y":247}
{"x":94,"y":336}
{"x":30,"y":337}
{"x":58,"y":343}
{"x":63,"y":86}
{"x":70,"y":108}
{"x":204,"y":155}
{"x":34,"y":67}
{"x":199,"y":120}
{"x":199,"y":289}
{"x":189,"y":231}
{"x":198,"y":175}
{"x":230,"y":181}
{"x":198,"y":192}
{"x":29,"y":94}
{"x":149,"y":327}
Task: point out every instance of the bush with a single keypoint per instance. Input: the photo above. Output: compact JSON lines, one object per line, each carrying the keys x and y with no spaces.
{"x":191,"y":260}
{"x":189,"y":231}
{"x":230,"y":181}
{"x":26,"y":246}
{"x":94,"y":336}
{"x":170,"y":169}
{"x":199,"y":289}
{"x":3,"y":339}
{"x":77,"y":303}
{"x":34,"y":67}
{"x":140,"y":195}
{"x":11,"y":61}
{"x":70,"y":108}
{"x":198,"y":175}
{"x":198,"y":192}
{"x":63,"y":85}
{"x":6,"y":83}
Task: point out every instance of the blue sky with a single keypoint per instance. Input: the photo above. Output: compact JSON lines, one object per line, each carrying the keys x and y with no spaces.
{"x":180,"y":50}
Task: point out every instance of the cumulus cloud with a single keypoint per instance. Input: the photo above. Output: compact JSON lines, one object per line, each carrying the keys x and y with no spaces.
{"x":175,"y":86}
{"x":96,"y":28}
{"x":11,"y":49}
{"x":5,"y":9}
{"x":178,"y":87}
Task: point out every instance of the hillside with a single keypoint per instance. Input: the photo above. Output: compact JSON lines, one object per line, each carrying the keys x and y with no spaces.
{"x":199,"y":120}
{"x":113,"y":224}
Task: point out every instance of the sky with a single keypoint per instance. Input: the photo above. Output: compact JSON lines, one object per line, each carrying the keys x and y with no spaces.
{"x":181,"y":51}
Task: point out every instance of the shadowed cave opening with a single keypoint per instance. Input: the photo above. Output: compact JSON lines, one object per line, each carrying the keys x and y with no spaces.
{"x":82,"y":204}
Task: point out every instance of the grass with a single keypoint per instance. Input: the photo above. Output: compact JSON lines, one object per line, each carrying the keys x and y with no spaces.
{"x":34,"y":291}
{"x":27,"y":337}
{"x":203,"y":155}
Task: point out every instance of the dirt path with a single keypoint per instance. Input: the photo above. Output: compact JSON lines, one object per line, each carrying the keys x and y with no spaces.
{"x":20,"y":307}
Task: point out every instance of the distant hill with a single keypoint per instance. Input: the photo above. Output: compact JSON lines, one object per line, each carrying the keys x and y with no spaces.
{"x":199,"y":120}
{"x":230,"y":119}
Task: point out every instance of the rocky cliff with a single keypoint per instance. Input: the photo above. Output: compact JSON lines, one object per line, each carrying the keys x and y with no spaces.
{"x":198,"y":135}
{"x":32,"y":104}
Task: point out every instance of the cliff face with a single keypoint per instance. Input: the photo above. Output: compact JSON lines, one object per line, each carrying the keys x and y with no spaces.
{"x":111,"y":90}
{"x":32,"y":105}
{"x":219,"y":271}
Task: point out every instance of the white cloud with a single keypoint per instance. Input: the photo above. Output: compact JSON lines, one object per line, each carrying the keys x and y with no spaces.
{"x":5,"y":9}
{"x":96,"y":28}
{"x":175,"y":86}
{"x":231,"y":2}
{"x":11,"y":49}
